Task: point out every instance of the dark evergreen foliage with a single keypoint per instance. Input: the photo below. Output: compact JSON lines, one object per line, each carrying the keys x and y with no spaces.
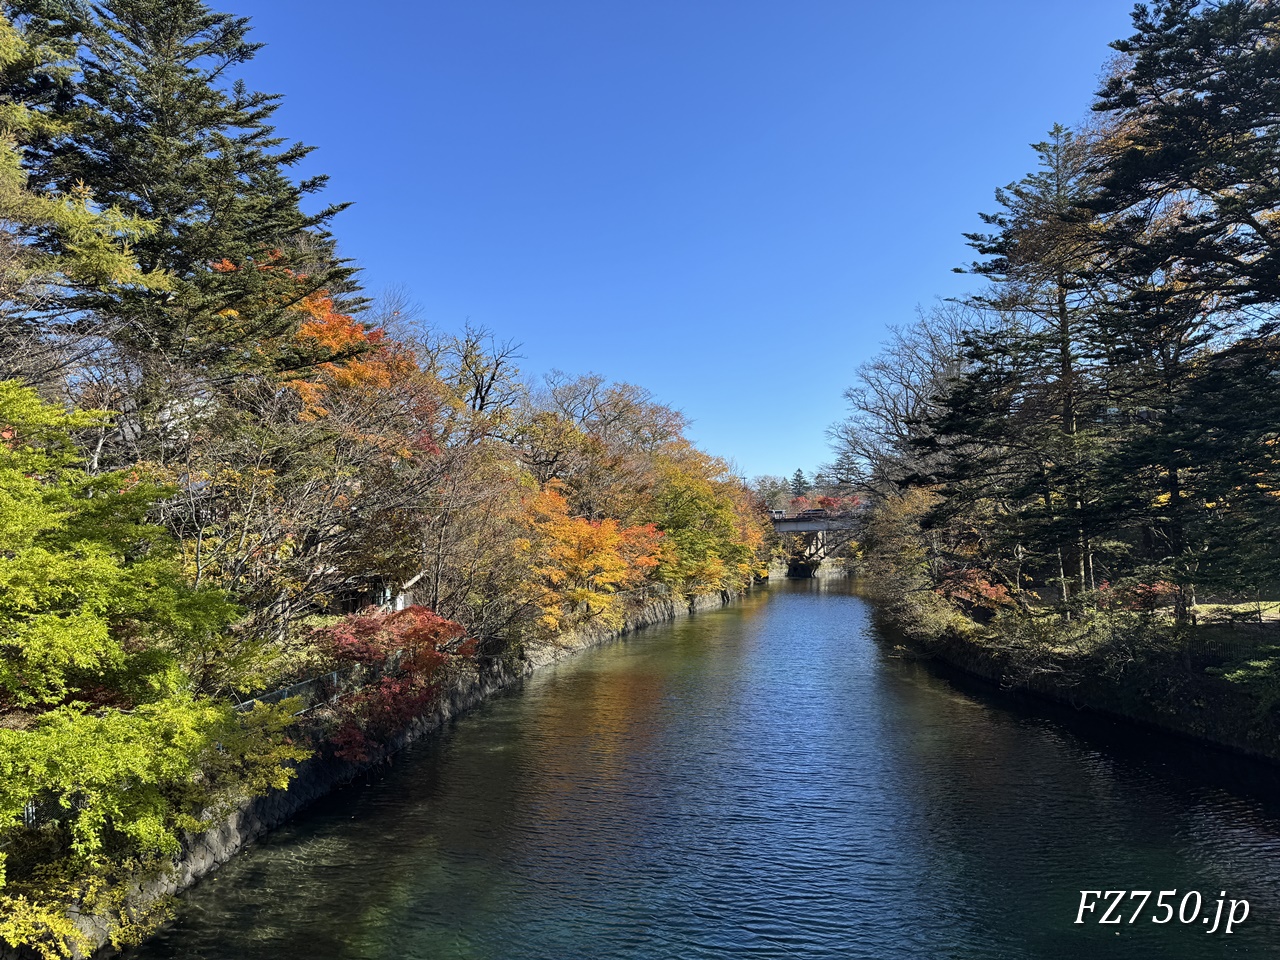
{"x":1116,"y":416}
{"x":154,"y":121}
{"x":1197,"y":146}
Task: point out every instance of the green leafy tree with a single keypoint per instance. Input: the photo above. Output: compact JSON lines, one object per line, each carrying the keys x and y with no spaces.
{"x":99,"y":730}
{"x":713,"y":531}
{"x":92,"y":603}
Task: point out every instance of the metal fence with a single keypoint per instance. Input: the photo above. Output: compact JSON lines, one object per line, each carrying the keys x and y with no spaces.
{"x":314,"y":691}
{"x":1232,"y":647}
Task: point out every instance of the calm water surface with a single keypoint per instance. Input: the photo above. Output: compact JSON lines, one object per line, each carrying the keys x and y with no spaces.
{"x":766,"y":781}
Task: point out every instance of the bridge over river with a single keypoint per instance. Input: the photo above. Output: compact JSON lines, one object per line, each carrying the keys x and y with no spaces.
{"x":813,"y":537}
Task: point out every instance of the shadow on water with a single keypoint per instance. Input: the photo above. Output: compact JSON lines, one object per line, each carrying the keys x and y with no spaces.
{"x":765,"y":781}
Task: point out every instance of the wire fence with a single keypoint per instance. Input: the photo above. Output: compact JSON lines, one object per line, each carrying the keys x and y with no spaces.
{"x":313,"y":691}
{"x":1232,"y":647}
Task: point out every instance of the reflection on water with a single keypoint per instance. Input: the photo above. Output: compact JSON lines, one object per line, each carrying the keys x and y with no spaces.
{"x":766,"y":781}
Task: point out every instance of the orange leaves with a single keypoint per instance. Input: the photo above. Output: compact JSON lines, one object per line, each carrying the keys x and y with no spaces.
{"x":336,"y":332}
{"x":970,"y":587}
{"x":271,"y":261}
{"x":577,"y":566}
{"x":359,"y":360}
{"x":338,"y":352}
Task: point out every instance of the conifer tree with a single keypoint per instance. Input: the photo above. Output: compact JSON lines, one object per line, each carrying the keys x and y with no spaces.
{"x":1198,"y":113}
{"x":1230,"y":430}
{"x":151,"y":119}
{"x":1043,"y":258}
{"x":93,"y":245}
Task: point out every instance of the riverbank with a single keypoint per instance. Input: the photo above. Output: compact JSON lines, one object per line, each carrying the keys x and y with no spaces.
{"x":323,"y":772}
{"x":1157,"y":689}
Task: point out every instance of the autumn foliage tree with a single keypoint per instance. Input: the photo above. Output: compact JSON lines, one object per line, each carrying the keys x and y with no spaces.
{"x":405,"y":658}
{"x":578,"y":566}
{"x":274,"y":451}
{"x":713,"y":525}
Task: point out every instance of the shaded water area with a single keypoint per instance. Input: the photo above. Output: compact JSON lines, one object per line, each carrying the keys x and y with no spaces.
{"x":765,"y":781}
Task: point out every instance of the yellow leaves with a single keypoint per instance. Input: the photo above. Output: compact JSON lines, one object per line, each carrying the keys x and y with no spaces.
{"x":577,"y":566}
{"x":45,"y":925}
{"x":311,"y":394}
{"x":713,"y":529}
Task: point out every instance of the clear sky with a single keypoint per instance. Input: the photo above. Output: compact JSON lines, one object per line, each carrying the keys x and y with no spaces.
{"x":725,"y":201}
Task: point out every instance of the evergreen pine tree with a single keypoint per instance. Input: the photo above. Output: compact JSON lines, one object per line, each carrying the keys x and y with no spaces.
{"x":1043,"y":259}
{"x":93,"y":246}
{"x":152,"y":121}
{"x":1198,"y":112}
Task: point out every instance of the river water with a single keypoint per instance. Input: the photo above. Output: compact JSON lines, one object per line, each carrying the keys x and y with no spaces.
{"x":765,"y":781}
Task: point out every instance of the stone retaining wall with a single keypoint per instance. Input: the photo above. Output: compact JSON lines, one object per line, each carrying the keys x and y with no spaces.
{"x":1206,"y":709}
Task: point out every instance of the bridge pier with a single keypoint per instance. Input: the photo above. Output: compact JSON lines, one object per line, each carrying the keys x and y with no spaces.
{"x":807,"y":570}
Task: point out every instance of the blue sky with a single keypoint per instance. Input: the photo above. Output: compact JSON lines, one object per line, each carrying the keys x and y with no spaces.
{"x":725,"y":201}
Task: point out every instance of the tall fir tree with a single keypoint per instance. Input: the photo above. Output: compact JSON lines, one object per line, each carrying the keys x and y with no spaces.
{"x":1197,"y":111}
{"x":94,"y":249}
{"x":1043,"y":259}
{"x":150,"y":118}
{"x":1191,"y":207}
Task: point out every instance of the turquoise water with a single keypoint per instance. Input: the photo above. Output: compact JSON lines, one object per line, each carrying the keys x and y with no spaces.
{"x":764,"y":781}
